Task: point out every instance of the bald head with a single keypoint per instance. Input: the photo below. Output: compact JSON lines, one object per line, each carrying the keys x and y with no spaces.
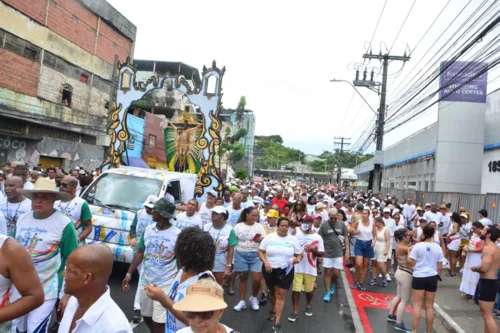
{"x":69,"y":185}
{"x":12,"y":187}
{"x":93,"y":258}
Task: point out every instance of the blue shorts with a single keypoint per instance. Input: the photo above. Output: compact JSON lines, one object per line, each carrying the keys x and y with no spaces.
{"x":364,"y":249}
{"x":220,"y":263}
{"x":247,"y":261}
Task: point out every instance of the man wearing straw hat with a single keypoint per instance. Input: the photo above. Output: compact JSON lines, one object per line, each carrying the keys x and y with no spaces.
{"x":49,"y":237}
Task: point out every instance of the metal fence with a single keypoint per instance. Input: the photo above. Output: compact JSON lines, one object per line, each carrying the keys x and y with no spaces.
{"x":473,"y":203}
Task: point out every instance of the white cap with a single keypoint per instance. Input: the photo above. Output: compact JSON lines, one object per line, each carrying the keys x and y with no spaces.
{"x":387,"y":210}
{"x":465,"y":216}
{"x":150,"y":201}
{"x":219,"y":210}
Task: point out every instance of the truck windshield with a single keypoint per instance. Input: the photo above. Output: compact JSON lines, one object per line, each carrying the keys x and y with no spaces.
{"x":118,"y":191}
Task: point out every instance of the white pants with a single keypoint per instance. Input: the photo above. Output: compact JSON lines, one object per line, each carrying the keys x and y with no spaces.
{"x":37,"y":320}
{"x":137,"y":300}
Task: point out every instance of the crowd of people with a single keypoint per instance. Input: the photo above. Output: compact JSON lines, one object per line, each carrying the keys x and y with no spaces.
{"x":269,"y":236}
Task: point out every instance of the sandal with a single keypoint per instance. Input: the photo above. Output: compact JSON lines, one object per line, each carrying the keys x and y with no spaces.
{"x":231,"y":292}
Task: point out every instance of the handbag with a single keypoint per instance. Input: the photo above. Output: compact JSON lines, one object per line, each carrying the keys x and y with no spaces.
{"x":341,"y":239}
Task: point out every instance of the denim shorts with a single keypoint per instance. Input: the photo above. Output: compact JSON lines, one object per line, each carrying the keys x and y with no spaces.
{"x":247,"y":261}
{"x":220,"y":263}
{"x":364,"y":249}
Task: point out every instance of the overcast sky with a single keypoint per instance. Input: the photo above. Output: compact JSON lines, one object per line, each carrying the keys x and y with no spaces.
{"x":281,"y":55}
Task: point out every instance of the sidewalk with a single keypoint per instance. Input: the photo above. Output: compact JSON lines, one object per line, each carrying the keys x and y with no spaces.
{"x":456,"y":312}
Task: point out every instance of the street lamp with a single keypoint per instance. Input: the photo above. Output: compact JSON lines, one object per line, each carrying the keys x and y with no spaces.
{"x":334,"y":80}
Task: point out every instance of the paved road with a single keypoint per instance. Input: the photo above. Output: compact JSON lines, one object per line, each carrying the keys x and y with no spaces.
{"x":373,"y":305}
{"x":327,"y":318}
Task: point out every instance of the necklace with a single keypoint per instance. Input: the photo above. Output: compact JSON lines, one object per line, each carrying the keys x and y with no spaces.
{"x":12,"y":217}
{"x":69,"y":203}
{"x":220,"y":230}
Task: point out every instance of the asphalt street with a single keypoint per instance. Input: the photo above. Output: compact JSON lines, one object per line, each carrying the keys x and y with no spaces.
{"x":327,"y":317}
{"x":373,"y":307}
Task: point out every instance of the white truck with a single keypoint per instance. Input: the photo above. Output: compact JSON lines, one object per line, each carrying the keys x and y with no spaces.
{"x":117,"y":194}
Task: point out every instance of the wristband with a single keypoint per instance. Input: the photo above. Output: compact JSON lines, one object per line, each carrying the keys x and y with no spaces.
{"x":228,"y":265}
{"x":128,"y":275}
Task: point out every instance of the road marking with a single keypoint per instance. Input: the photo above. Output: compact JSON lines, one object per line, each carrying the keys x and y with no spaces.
{"x":448,"y":319}
{"x":352,"y":304}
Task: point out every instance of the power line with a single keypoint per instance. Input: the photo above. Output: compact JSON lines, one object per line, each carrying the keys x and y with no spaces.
{"x":378,"y":22}
{"x":404,"y":22}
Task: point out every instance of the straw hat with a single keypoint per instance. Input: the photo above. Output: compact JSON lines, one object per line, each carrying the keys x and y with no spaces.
{"x":44,"y":185}
{"x":203,"y":296}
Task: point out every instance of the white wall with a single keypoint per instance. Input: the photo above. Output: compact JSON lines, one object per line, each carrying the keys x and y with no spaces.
{"x":490,"y":181}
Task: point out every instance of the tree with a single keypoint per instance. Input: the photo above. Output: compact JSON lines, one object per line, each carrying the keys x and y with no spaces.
{"x":240,"y":110}
{"x":241,"y":174}
{"x":276,"y":138}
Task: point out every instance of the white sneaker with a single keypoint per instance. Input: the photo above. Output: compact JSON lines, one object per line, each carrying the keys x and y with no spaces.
{"x":352,"y":269}
{"x":242,"y":305}
{"x":461,"y":271}
{"x":255,"y":303}
{"x":379,"y":275}
{"x":388,"y":277}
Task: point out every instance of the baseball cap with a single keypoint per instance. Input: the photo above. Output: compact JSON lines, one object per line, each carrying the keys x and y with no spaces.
{"x":268,"y":202}
{"x":419,"y":208}
{"x":307,"y":218}
{"x":273,"y":213}
{"x":465,"y":216}
{"x":320,"y":205}
{"x":219,"y":210}
{"x":387,"y":210}
{"x":213,"y":193}
{"x":150,"y":201}
{"x":317,"y":216}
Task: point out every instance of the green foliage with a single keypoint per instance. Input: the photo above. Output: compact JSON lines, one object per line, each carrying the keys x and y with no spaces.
{"x":240,"y":109}
{"x":241,"y":174}
{"x":345,"y":159}
{"x":237,"y":152}
{"x":275,"y":154}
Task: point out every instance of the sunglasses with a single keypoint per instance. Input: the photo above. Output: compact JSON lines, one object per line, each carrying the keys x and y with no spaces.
{"x":64,"y":185}
{"x":206,"y":315}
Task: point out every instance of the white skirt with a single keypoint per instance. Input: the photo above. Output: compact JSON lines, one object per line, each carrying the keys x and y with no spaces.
{"x":470,"y":278}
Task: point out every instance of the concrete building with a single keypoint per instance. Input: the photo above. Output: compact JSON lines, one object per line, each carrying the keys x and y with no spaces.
{"x":56,"y":67}
{"x":413,"y":162}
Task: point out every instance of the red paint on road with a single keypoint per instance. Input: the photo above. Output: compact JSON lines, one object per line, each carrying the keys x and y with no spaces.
{"x":367,"y":299}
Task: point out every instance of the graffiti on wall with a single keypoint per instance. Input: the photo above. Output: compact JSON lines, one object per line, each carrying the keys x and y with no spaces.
{"x":207,"y":97}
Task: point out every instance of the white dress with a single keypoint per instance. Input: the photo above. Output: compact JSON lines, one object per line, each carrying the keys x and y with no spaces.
{"x":470,"y":278}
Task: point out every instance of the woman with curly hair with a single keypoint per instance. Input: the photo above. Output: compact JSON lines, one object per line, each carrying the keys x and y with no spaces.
{"x":195,"y":251}
{"x":246,"y":259}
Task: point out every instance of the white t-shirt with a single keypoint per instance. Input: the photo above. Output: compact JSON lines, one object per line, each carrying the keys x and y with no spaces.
{"x":3,"y":225}
{"x":233,"y":215}
{"x":279,"y":249}
{"x":205,"y":213}
{"x":308,"y":264}
{"x":408,"y":210}
{"x":183,"y":221}
{"x":430,"y":216}
{"x":189,"y":330}
{"x":28,"y":186}
{"x":12,"y":211}
{"x":445,"y":219}
{"x":486,"y":222}
{"x":245,"y":234}
{"x":247,"y":204}
{"x":390,"y":224}
{"x":262,"y":217}
{"x":427,"y":255}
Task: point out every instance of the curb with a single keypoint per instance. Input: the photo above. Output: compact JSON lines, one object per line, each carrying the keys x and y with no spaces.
{"x":449,"y":324}
{"x":352,"y":305}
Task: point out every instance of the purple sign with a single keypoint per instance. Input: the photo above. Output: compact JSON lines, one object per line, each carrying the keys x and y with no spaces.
{"x":463,"y":81}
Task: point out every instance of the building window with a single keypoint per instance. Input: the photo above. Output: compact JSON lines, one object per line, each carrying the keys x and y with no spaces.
{"x":152,"y":141}
{"x":67,"y":92}
{"x":84,"y":78}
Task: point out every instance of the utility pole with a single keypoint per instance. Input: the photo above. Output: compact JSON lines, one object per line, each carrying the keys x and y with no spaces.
{"x":339,"y":162}
{"x":377,"y":174}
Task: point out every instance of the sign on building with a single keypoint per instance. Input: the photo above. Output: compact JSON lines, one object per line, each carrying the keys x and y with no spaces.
{"x":463,"y":81}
